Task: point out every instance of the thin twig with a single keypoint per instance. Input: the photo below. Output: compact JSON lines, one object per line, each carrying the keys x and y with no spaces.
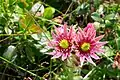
{"x":15,"y":34}
{"x":69,"y":8}
{"x":33,"y":74}
{"x":10,"y":75}
{"x":4,"y":71}
{"x":4,"y":39}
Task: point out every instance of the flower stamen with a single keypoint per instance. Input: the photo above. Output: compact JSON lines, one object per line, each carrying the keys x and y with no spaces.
{"x":85,"y":46}
{"x":64,"y":43}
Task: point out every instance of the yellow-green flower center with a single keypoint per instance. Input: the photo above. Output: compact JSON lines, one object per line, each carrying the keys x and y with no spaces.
{"x":85,"y":46}
{"x":64,"y":43}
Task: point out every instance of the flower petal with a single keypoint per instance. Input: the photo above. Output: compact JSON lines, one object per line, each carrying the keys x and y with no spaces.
{"x":99,"y":44}
{"x":88,"y":32}
{"x":78,"y":54}
{"x":71,"y":33}
{"x":52,"y":43}
{"x":52,"y":53}
{"x":81,"y":32}
{"x":99,"y":38}
{"x":93,"y":34}
{"x":90,"y":60}
{"x":89,"y":25}
{"x":64,"y":56}
{"x":54,"y":35}
{"x":57,"y":55}
{"x":93,"y":55}
{"x":65,"y":29}
{"x":79,"y":37}
{"x":59,"y":30}
{"x":82,"y":59}
{"x":98,"y":50}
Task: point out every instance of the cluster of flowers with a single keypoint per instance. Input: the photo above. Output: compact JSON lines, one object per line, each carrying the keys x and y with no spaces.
{"x":84,"y":43}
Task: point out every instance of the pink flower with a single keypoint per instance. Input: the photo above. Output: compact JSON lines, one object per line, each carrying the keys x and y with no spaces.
{"x":62,"y":42}
{"x":87,"y":45}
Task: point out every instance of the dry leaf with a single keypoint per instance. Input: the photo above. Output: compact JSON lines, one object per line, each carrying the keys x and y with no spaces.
{"x":29,"y":25}
{"x":35,"y":29}
{"x":58,"y":19}
{"x":116,"y":62}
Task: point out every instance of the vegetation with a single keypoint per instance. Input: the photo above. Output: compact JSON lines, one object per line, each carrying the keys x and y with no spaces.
{"x":26,"y":28}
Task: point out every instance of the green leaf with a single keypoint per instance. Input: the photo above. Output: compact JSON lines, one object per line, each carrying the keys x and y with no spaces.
{"x":118,"y":43}
{"x":37,"y":7}
{"x":101,"y":9}
{"x":10,"y":52}
{"x":118,"y":30}
{"x":95,"y":16}
{"x":11,"y":2}
{"x":110,"y":16}
{"x":108,"y":23}
{"x":2,"y":20}
{"x":48,"y":13}
{"x":97,"y":25}
{"x":36,"y":36}
{"x":7,"y":30}
{"x":29,"y":25}
{"x":22,"y":4}
{"x":82,"y":9}
{"x":29,"y":53}
{"x":77,"y":78}
{"x":109,"y":52}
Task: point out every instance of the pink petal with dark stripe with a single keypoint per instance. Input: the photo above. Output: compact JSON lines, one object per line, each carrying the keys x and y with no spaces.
{"x":90,"y":60}
{"x":82,"y":59}
{"x":57,"y":55}
{"x":64,"y":56}
{"x":93,"y":55}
